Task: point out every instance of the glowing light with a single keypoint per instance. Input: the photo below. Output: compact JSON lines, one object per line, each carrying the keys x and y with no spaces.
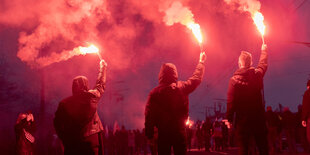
{"x":258,"y":19}
{"x":189,"y":122}
{"x":196,"y":31}
{"x":90,"y":49}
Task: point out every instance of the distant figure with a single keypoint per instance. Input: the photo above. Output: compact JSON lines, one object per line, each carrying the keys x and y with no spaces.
{"x":77,"y":122}
{"x":167,"y":107}
{"x":289,"y":125}
{"x":273,"y":125}
{"x":245,"y":102}
{"x":217,"y":135}
{"x":206,"y":128}
{"x":306,"y":110}
{"x":24,"y":129}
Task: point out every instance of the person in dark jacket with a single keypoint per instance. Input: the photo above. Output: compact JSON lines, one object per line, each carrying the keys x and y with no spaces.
{"x":167,"y":107}
{"x":288,"y":123}
{"x":273,"y":124}
{"x":24,"y":129}
{"x":245,"y":102}
{"x":306,"y":110}
{"x":76,"y":121}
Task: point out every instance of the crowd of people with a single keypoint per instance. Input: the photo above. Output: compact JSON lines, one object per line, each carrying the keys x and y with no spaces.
{"x":247,"y":124}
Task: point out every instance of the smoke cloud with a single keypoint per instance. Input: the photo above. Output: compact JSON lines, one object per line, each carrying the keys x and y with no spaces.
{"x":177,"y":13}
{"x":70,"y":21}
{"x":250,"y":6}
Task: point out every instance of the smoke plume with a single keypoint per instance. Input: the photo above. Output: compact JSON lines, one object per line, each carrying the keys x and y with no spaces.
{"x":70,"y":21}
{"x":177,"y":13}
{"x":250,"y":6}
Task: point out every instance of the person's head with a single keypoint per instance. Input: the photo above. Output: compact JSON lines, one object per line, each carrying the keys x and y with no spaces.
{"x":269,"y":108}
{"x":168,"y":74}
{"x":79,"y":85}
{"x":245,"y":60}
{"x":308,"y":84}
{"x":286,"y":109}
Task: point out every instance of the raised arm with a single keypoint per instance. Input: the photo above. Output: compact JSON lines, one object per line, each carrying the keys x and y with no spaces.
{"x":262,"y":64}
{"x":101,"y":80}
{"x":192,"y":83}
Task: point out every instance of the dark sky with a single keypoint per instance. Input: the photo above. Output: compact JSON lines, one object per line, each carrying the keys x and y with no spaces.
{"x":135,"y":42}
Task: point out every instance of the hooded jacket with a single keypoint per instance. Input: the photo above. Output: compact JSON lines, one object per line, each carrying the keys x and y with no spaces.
{"x":77,"y":116}
{"x":245,"y":95}
{"x":167,"y":105}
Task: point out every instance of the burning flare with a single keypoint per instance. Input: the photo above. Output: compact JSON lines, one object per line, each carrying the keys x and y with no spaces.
{"x":177,"y":13}
{"x":90,"y":49}
{"x":65,"y":55}
{"x":258,"y":19}
{"x":196,"y":31}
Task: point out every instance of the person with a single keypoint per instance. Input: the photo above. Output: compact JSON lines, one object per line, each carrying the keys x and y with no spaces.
{"x":245,"y":102}
{"x":167,"y":107}
{"x":306,"y":110}
{"x":76,"y":121}
{"x":24,"y":129}
{"x":217,"y":135}
{"x":273,"y":124}
{"x":288,"y":123}
{"x":206,"y":127}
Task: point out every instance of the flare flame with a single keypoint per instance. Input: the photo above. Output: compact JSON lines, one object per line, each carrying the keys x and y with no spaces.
{"x":258,"y":19}
{"x":196,"y":31}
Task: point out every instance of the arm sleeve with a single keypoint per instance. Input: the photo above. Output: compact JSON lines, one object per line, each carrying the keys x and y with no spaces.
{"x":262,"y":64}
{"x":230,"y":102}
{"x":192,"y":83}
{"x":100,"y":83}
{"x":149,"y":119}
{"x":306,"y":106}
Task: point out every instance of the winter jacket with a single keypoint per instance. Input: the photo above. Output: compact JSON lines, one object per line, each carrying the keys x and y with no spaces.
{"x":77,"y":116}
{"x":167,"y":105}
{"x":245,"y":101}
{"x":306,"y":105}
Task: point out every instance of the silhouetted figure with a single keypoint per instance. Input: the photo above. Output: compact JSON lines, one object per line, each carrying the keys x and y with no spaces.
{"x":245,"y":102}
{"x":273,"y":123}
{"x":76,"y":121}
{"x":306,"y":110}
{"x":301,"y":131}
{"x":206,"y":129}
{"x":217,"y":135}
{"x":167,"y":107}
{"x":288,"y":123}
{"x":24,"y":129}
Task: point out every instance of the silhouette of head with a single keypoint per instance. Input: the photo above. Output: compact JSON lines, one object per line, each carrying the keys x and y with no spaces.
{"x":168,"y":74}
{"x":269,"y":108}
{"x":79,"y":85}
{"x":245,"y":60}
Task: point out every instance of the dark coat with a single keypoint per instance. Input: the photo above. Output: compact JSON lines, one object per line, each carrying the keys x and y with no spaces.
{"x":167,"y":105}
{"x":76,"y":117}
{"x":245,"y":96}
{"x":306,"y":105}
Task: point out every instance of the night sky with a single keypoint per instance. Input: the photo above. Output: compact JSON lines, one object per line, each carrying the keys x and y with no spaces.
{"x":135,"y":41}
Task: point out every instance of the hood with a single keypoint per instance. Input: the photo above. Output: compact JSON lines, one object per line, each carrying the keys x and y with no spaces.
{"x":79,"y":85}
{"x":168,"y":74}
{"x":244,"y":75}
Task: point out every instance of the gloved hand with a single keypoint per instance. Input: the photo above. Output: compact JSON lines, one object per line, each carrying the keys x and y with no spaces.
{"x":103,"y":64}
